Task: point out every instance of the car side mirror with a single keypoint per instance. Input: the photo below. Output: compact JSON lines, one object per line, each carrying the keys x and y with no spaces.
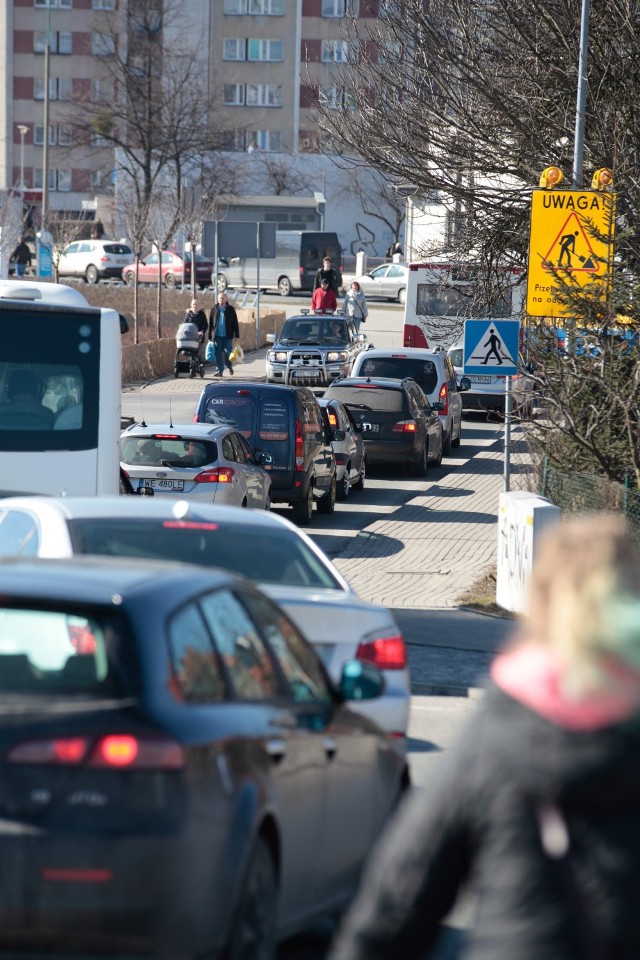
{"x":361,"y":681}
{"x":436,"y":405}
{"x":265,"y":459}
{"x":271,"y":338}
{"x":360,"y":337}
{"x":339,"y":435}
{"x":465,"y":384}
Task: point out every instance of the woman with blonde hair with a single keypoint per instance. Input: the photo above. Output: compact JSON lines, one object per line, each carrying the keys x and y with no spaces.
{"x":538,"y":805}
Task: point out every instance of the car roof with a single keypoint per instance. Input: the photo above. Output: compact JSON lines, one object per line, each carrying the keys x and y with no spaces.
{"x":416,"y":353}
{"x":388,"y":383}
{"x":192,"y":431}
{"x":250,"y":386}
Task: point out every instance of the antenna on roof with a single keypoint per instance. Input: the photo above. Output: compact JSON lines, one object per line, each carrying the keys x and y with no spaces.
{"x":170,"y":415}
{"x":142,"y":423}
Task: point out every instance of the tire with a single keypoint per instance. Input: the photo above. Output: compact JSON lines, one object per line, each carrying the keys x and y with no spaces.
{"x":129,"y":278}
{"x":284,"y":287}
{"x":175,"y":371}
{"x":343,"y":487}
{"x":437,"y":462}
{"x":253,"y":930}
{"x":420,"y":466}
{"x":327,"y":504}
{"x":222,"y":283}
{"x":359,"y":484}
{"x":201,"y":369}
{"x":456,"y":442}
{"x":170,"y":281}
{"x":302,"y":509}
{"x":92,"y":274}
{"x":447,"y":442}
{"x":402,"y":296}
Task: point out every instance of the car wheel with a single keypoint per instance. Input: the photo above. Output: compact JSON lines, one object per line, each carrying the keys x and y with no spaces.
{"x":169,"y":280}
{"x":175,"y":371}
{"x":267,"y":503}
{"x":342,"y":490}
{"x":327,"y":504}
{"x":284,"y":287}
{"x":446,"y":441}
{"x":456,"y":442}
{"x":402,"y":295}
{"x":92,"y":275}
{"x":253,"y":932}
{"x":302,"y":509}
{"x":420,"y":466}
{"x":359,"y":484}
{"x":222,"y":283}
{"x":129,"y":278}
{"x":438,"y":461}
{"x":201,"y":369}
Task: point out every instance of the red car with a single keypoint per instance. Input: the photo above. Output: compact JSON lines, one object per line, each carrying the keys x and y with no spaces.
{"x":175,"y":269}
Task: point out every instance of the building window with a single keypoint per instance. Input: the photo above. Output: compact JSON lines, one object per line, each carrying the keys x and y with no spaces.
{"x":104,"y":4}
{"x":329,"y":97}
{"x":233,"y":139}
{"x":64,"y":179}
{"x":103,"y":44}
{"x":235,"y":7}
{"x":65,"y":43}
{"x":62,"y":4}
{"x":234,"y":49}
{"x":267,"y":140}
{"x":266,"y":8}
{"x":37,"y":179}
{"x":264,"y":95}
{"x":65,"y":136}
{"x":98,"y":141}
{"x":38,"y":134}
{"x":102,"y":91}
{"x":233,"y":94}
{"x":38,"y":89}
{"x":64,"y":88}
{"x":335,"y":51}
{"x":265,"y":50}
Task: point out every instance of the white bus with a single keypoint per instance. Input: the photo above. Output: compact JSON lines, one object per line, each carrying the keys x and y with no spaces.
{"x":60,"y":385}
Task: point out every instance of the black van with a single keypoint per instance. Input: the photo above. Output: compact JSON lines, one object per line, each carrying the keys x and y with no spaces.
{"x":299,"y":254}
{"x":286,"y":422}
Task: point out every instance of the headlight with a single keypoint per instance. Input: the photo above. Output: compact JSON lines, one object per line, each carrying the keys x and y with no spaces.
{"x":277,"y":356}
{"x":335,"y":357}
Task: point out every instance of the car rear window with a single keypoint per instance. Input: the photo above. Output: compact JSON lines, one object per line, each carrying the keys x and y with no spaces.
{"x":166,"y":452}
{"x":48,"y":652}
{"x":423,"y":372}
{"x":262,"y":555}
{"x":369,"y":398}
{"x":118,"y":248}
{"x":234,"y":410}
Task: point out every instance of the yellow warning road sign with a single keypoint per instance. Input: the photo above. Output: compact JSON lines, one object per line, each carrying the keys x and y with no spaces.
{"x":571,"y":242}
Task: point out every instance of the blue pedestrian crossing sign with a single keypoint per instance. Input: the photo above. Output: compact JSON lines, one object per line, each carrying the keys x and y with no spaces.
{"x":491,"y":345}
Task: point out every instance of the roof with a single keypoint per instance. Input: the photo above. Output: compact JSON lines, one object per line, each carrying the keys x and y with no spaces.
{"x":194,"y":431}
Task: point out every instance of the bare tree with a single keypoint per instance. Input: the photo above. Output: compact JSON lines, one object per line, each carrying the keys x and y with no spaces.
{"x":10,"y":223}
{"x":282,"y":175}
{"x":377,"y":196}
{"x":133,"y":215}
{"x":63,"y":232}
{"x":162,"y":222}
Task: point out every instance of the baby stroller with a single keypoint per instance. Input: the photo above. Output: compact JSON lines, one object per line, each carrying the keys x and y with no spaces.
{"x":188,"y":343}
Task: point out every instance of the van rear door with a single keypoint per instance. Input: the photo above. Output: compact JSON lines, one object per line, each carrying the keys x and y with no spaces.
{"x":275,"y":434}
{"x":314,"y":247}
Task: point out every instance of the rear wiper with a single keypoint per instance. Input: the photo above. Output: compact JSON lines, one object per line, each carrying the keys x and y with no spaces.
{"x":357,"y":406}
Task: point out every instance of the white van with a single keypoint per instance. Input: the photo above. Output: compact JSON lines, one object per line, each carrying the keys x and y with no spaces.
{"x":299,"y":254}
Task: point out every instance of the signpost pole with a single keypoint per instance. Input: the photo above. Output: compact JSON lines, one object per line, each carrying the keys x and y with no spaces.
{"x":507,"y":432}
{"x":257,"y":281}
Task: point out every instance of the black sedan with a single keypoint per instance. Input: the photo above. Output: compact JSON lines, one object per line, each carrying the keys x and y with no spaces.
{"x":178,"y":773}
{"x":397,"y":422}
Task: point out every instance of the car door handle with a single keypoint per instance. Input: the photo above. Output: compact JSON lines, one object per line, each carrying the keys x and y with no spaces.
{"x":277,"y":749}
{"x":330,"y":747}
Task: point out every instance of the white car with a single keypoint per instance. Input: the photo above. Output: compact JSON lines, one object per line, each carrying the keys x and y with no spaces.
{"x":486,"y":390}
{"x":211,"y":463}
{"x":388,"y":282}
{"x":265,"y":548}
{"x":94,"y":259}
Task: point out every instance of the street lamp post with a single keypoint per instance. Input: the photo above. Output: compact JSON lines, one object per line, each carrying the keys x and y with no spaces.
{"x":45,"y":143}
{"x":22,"y":130}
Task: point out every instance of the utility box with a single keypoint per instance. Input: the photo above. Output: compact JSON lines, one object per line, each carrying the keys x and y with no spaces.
{"x":522,"y":517}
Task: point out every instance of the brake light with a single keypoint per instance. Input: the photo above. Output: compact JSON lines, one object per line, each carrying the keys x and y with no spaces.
{"x":333,"y":420}
{"x":76,"y":875}
{"x":443,"y":398}
{"x":386,"y":653}
{"x":104,"y":259}
{"x":217,"y":475}
{"x":110,"y":751}
{"x":299,"y":446}
{"x":166,"y":436}
{"x":405,"y":426}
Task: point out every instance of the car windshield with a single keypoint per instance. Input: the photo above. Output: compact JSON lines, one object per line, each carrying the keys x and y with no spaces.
{"x":423,"y":372}
{"x":456,"y":356}
{"x":368,"y":398}
{"x":328,"y":329}
{"x":263,"y":555}
{"x":167,"y":452}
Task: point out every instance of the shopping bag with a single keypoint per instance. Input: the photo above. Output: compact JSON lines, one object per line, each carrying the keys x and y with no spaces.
{"x":210,"y":353}
{"x":237,"y":354}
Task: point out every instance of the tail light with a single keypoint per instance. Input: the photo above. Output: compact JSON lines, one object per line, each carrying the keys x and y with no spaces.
{"x":299,"y":446}
{"x":195,"y":418}
{"x":443,"y":398}
{"x":405,"y":426}
{"x":217,"y":475}
{"x":385,"y":653}
{"x":333,"y":420}
{"x":112,"y":751}
{"x":104,"y":259}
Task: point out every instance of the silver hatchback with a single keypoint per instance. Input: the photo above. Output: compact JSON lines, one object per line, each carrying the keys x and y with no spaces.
{"x":198,"y":461}
{"x":347,"y":445}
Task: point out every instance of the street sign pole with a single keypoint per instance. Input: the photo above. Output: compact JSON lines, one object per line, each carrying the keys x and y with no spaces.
{"x":507,"y":433}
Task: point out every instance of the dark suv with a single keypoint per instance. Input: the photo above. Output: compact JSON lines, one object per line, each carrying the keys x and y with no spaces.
{"x":287,"y":423}
{"x":395,"y":418}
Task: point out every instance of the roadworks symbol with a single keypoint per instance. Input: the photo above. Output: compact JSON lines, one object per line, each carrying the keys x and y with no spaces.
{"x":490,"y":351}
{"x":571,"y":250}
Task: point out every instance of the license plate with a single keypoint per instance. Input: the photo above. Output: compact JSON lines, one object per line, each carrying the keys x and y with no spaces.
{"x":158,"y":484}
{"x":370,"y":427}
{"x":481,"y":379}
{"x":308,"y":372}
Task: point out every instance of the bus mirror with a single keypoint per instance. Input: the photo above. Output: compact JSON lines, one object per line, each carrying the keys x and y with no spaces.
{"x":124,"y":324}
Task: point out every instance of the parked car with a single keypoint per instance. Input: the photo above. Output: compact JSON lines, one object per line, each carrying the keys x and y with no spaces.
{"x":263,"y":547}
{"x":180,"y":776}
{"x":94,"y":259}
{"x":433,"y":371}
{"x":285,"y":422}
{"x":397,"y":422}
{"x":174,"y":267}
{"x":200,"y":461}
{"x":388,"y":282}
{"x":314,"y":350}
{"x":487,"y":391}
{"x":348,"y":447}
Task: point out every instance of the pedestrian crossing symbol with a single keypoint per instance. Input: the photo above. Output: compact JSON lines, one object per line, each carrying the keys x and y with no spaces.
{"x":491,"y":347}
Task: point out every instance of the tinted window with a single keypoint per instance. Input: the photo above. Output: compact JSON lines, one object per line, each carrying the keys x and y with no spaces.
{"x":236,"y":411}
{"x":195,"y":664}
{"x":119,"y":249}
{"x":368,"y":398}
{"x":156,"y":452}
{"x":18,"y":534}
{"x":424,"y":372}
{"x":242,"y":650}
{"x":316,"y":246}
{"x":264,"y":555}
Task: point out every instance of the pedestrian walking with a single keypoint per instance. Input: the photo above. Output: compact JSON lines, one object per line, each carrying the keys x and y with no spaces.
{"x":355,"y":305}
{"x":21,"y":256}
{"x":324,"y":299}
{"x":327,"y":272}
{"x":539,"y":802}
{"x":223,"y":329}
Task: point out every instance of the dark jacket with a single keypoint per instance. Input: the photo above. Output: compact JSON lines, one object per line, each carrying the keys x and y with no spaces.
{"x":231,"y":321}
{"x":21,"y":254}
{"x":199,"y":318}
{"x":332,"y":277}
{"x":478,"y":820}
